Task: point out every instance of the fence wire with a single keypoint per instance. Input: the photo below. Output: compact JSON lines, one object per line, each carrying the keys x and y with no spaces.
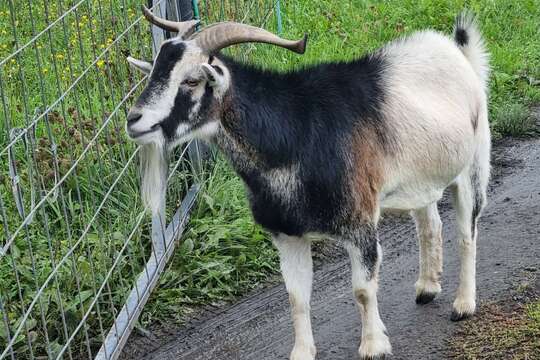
{"x":78,"y":254}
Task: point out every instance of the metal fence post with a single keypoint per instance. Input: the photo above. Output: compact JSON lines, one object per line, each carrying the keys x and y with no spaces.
{"x":163,"y":235}
{"x":278,"y":17}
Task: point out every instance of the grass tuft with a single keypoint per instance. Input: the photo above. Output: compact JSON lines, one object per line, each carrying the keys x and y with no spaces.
{"x":513,"y":119}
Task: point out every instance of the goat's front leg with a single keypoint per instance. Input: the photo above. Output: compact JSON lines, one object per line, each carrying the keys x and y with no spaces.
{"x":297,"y":271}
{"x":366,"y":255}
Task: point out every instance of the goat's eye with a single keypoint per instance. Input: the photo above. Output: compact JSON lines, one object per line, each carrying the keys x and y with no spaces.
{"x":191,"y":82}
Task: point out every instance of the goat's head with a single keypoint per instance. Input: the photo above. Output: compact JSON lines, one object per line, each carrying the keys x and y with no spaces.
{"x":187,"y":83}
{"x":185,"y":90}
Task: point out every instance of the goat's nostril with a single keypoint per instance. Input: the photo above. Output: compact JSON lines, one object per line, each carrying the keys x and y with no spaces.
{"x":133,"y":117}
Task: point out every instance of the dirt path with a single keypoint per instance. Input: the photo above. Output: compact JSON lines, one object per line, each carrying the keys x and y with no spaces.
{"x":259,"y":327}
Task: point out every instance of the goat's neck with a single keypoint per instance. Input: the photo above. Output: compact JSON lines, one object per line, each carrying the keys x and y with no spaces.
{"x":257,"y":119}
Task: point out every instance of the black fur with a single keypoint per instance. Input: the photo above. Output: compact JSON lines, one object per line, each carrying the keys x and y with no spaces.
{"x":169,"y":54}
{"x":303,"y":118}
{"x":180,"y":111}
{"x":218,"y":69}
{"x":478,"y":200}
{"x":461,"y":36}
{"x":366,"y":239}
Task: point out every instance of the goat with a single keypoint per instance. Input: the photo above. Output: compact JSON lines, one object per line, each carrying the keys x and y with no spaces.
{"x":325,"y":149}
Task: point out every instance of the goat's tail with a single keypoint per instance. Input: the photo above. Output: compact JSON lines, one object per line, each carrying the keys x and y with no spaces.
{"x":469,"y":40}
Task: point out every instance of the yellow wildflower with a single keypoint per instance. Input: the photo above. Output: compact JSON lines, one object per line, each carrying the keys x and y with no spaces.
{"x":100,"y":63}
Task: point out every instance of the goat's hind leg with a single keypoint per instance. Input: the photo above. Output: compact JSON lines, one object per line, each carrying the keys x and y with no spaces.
{"x":469,"y":199}
{"x":429,"y":230}
{"x":297,"y":271}
{"x":366,"y":255}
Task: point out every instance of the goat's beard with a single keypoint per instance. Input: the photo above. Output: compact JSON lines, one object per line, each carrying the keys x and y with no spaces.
{"x":154,"y":171}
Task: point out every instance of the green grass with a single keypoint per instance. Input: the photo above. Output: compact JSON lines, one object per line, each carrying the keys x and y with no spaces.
{"x":340,"y":30}
{"x":223,"y":254}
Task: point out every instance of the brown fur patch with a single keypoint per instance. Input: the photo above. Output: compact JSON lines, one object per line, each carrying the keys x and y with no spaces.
{"x":361,"y":297}
{"x":366,"y":175}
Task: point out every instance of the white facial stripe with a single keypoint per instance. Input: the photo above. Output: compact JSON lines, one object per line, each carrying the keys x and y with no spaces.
{"x":196,"y":97}
{"x":204,"y":132}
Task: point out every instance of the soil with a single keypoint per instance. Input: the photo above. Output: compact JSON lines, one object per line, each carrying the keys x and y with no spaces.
{"x":259,"y":325}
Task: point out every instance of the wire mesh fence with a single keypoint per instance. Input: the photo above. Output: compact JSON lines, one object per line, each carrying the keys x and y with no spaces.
{"x":79,"y":256}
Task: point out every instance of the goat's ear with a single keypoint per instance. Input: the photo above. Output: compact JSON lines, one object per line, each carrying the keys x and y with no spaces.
{"x":140,"y":65}
{"x":214,"y":75}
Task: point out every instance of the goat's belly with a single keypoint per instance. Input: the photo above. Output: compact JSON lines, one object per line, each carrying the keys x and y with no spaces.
{"x":409,"y":198}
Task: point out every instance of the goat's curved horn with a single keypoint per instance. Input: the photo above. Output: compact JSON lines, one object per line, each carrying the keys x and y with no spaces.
{"x":183,"y":28}
{"x":220,"y":35}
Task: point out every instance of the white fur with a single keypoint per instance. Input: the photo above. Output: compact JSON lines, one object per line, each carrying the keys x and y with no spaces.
{"x":437,"y":97}
{"x":475,"y":49}
{"x":465,"y":301}
{"x":283,"y":181}
{"x":205,"y":132}
{"x":154,"y":169}
{"x":374,"y":339}
{"x":297,"y":271}
{"x":433,"y":128}
{"x":429,"y":229}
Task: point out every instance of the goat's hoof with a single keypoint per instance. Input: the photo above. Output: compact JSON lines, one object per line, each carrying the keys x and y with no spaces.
{"x":457,"y":316}
{"x":425,"y":297}
{"x":462,"y":310}
{"x":426,"y":291}
{"x":303,"y":352}
{"x":374,"y":357}
{"x":375,"y":348}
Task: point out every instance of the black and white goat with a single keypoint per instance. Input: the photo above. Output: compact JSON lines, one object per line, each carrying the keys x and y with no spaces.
{"x":325,"y":149}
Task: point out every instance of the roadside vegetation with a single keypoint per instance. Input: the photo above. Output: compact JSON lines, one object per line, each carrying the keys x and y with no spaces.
{"x":509,"y":329}
{"x":223,"y":253}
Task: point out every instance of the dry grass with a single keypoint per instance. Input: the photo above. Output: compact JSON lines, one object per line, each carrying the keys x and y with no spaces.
{"x":509,"y":329}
